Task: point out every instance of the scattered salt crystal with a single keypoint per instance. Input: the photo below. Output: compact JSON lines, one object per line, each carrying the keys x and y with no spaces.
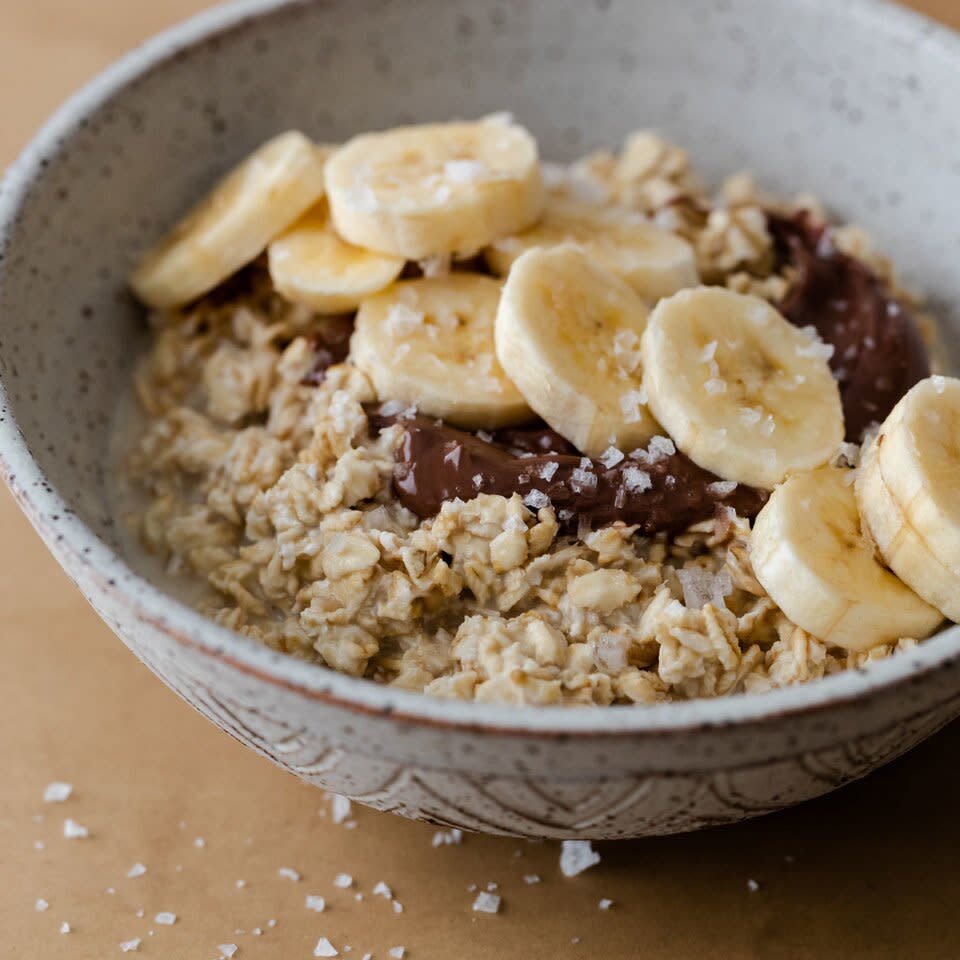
{"x":715,"y":386}
{"x":574,"y":940}
{"x":709,"y":352}
{"x":73,"y":830}
{"x":721,"y":488}
{"x":577,"y":856}
{"x":548,"y":470}
{"x":343,"y":880}
{"x":340,"y":808}
{"x":486,"y":902}
{"x":111,"y":891}
{"x":165,"y":919}
{"x":701,"y":586}
{"x":403,"y":320}
{"x":939,"y":382}
{"x":605,"y":904}
{"x":271,"y":923}
{"x":815,"y":347}
{"x":38,"y":844}
{"x":531,"y":878}
{"x":472,"y":888}
{"x":129,"y":946}
{"x":240,"y":884}
{"x":57,"y":792}
{"x":444,"y":838}
{"x":536,"y":500}
{"x":397,"y":952}
{"x":325,"y":948}
{"x":199,"y":842}
{"x":465,"y":171}
{"x":582,"y":481}
{"x":768,"y":426}
{"x":753,"y":886}
{"x":227,"y":949}
{"x":484,"y":436}
{"x":257,"y":932}
{"x":397,"y":906}
{"x":288,"y":873}
{"x":749,"y":416}
{"x":611,"y":457}
{"x":367,"y":956}
{"x":315,"y":902}
{"x":382,"y":890}
{"x":636,"y":480}
{"x":493,"y":885}
{"x":41,"y":905}
{"x":137,"y":870}
{"x":630,"y":404}
{"x":358,"y":896}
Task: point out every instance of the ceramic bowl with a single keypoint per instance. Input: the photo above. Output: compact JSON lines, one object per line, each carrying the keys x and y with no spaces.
{"x":855,"y":102}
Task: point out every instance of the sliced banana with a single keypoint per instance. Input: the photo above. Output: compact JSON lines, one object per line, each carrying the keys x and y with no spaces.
{"x":655,"y":263}
{"x":908,"y":491}
{"x":741,"y":391}
{"x":310,"y":264}
{"x":436,"y":189}
{"x":429,"y":343}
{"x":809,"y":553}
{"x":234,"y":224}
{"x":568,"y":335}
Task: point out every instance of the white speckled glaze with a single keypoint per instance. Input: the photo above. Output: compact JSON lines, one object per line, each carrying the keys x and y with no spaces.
{"x":854,"y":101}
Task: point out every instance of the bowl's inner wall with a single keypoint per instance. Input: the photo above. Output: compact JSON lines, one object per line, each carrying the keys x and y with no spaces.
{"x":811,"y":96}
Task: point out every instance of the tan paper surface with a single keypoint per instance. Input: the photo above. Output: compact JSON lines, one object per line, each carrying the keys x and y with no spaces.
{"x":871,"y":872}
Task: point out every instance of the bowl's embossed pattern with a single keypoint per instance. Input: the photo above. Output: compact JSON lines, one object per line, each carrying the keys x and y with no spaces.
{"x":846,"y":100}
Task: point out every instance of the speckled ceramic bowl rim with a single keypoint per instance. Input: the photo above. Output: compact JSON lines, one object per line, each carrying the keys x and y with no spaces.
{"x":76,"y":546}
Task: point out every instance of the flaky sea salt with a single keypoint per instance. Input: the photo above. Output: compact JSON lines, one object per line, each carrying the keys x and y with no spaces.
{"x":577,"y":856}
{"x":702,"y":586}
{"x":397,"y":906}
{"x":939,"y":382}
{"x":137,"y":870}
{"x":288,"y":873}
{"x":709,"y":352}
{"x":605,"y":903}
{"x":74,"y":831}
{"x":611,"y":457}
{"x":548,"y":470}
{"x":582,"y":481}
{"x":486,"y":902}
{"x":316,"y":903}
{"x":325,"y":948}
{"x":57,"y":792}
{"x":340,"y":808}
{"x":130,"y":946}
{"x":715,"y":386}
{"x":444,"y":838}
{"x":240,"y":884}
{"x":40,"y":905}
{"x":380,"y":889}
{"x":397,"y":952}
{"x":636,"y":480}
{"x":753,"y":886}
{"x":721,"y":488}
{"x":631,"y":404}
{"x":535,"y":500}
{"x":531,"y":878}
{"x":227,"y":950}
{"x":343,"y":880}
{"x":199,"y":842}
{"x":165,"y":918}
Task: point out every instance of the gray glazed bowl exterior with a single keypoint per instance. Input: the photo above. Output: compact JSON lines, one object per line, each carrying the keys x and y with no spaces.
{"x":855,"y":102}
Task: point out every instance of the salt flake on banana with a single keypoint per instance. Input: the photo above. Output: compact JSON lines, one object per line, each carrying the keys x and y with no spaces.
{"x":742,"y":392}
{"x":445,"y":188}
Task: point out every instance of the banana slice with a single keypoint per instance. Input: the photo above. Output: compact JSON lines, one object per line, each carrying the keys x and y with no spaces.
{"x":568,"y":335}
{"x":234,"y":224}
{"x":429,"y":343}
{"x":436,"y":189}
{"x":908,"y":491}
{"x":310,"y":264}
{"x":655,"y":263}
{"x":809,"y":553}
{"x":741,"y":391}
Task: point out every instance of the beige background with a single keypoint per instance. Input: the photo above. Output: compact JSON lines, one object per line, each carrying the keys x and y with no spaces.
{"x":870,"y":872}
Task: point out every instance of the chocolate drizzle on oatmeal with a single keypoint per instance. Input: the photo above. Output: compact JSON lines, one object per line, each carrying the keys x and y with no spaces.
{"x":879,"y":353}
{"x":658,"y":490}
{"x":330,"y":343}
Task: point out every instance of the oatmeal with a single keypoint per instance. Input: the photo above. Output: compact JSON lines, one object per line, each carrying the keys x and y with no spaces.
{"x":464,"y":423}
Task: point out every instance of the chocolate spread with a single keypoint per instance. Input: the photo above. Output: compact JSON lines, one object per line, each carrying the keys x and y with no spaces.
{"x":878,"y":351}
{"x":330,"y":343}
{"x":658,"y":491}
